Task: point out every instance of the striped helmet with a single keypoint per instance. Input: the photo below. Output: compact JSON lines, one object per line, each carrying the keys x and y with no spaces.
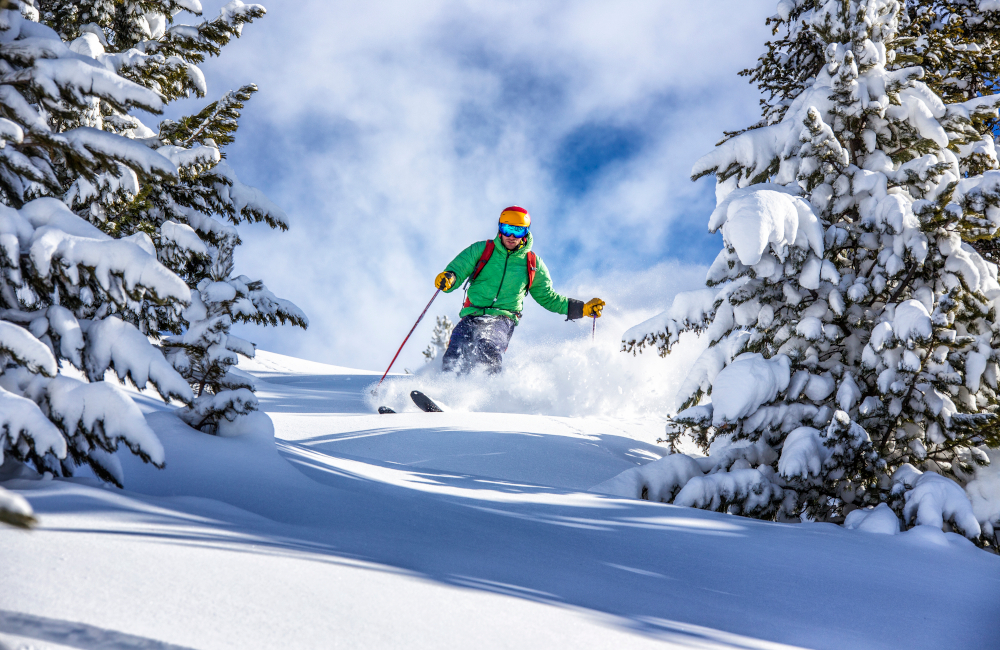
{"x":515,"y":215}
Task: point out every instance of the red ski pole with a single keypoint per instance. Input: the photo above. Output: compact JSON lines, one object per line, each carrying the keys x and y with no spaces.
{"x":408,"y":337}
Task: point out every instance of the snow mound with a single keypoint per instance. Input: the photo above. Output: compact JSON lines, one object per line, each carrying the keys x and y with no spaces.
{"x":14,"y":509}
{"x":25,"y":348}
{"x":932,"y":499}
{"x":880,"y":519}
{"x":912,"y":321}
{"x":717,"y":491}
{"x":659,"y":480}
{"x":803,"y":453}
{"x":120,"y":346}
{"x":19,"y":416}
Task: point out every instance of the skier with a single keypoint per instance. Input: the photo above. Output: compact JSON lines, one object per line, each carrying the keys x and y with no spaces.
{"x":500,"y":273}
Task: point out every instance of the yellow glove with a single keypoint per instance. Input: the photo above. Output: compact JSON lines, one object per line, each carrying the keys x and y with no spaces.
{"x":593,"y":308}
{"x":444,"y":280}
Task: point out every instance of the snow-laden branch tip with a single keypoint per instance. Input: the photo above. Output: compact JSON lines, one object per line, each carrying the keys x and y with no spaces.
{"x":15,"y":510}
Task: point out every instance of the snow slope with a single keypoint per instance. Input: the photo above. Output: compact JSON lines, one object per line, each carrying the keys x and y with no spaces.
{"x":464,"y":529}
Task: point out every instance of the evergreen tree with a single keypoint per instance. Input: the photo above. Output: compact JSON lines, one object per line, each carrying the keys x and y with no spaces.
{"x":185,"y":218}
{"x":439,"y":338}
{"x":105,"y":226}
{"x":61,"y":277}
{"x":954,"y":42}
{"x":852,"y":327}
{"x":196,"y":243}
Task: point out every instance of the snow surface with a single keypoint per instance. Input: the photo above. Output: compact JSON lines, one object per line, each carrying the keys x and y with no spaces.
{"x":344,"y":528}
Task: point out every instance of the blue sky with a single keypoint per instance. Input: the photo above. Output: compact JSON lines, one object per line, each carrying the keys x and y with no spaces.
{"x":394,"y":132}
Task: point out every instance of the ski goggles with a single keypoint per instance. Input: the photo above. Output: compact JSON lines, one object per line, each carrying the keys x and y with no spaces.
{"x":508,"y":230}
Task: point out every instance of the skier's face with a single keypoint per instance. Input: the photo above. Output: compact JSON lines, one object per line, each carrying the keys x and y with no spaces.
{"x":510,"y":243}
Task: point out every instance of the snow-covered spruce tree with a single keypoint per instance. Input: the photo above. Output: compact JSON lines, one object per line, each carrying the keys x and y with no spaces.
{"x":954,"y":41}
{"x":61,"y":278}
{"x":206,"y":351}
{"x":200,"y":247}
{"x":852,"y":327}
{"x":957,"y":44}
{"x":185,"y":219}
{"x":194,"y":240}
{"x":439,"y":338}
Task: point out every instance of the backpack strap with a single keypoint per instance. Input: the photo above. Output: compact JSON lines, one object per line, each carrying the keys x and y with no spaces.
{"x":532,"y":267}
{"x":480,"y":265}
{"x":483,"y":259}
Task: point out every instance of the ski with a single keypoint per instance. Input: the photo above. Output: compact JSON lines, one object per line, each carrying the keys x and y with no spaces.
{"x":384,"y":409}
{"x":425,"y":403}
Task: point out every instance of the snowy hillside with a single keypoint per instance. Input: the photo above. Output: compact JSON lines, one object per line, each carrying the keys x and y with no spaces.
{"x":463,"y":529}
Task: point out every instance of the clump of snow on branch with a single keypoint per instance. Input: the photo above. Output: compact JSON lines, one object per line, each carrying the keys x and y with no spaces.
{"x":852,"y":316}
{"x":659,"y":480}
{"x":15,"y":510}
{"x":879,"y":519}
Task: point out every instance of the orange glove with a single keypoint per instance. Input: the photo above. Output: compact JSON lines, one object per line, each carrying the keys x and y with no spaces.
{"x":593,"y":308}
{"x":444,"y":280}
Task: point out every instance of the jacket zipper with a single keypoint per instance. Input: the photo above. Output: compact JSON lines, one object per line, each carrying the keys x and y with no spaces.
{"x":502,"y":276}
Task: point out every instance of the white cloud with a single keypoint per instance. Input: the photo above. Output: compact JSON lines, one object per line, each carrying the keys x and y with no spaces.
{"x":394,"y":132}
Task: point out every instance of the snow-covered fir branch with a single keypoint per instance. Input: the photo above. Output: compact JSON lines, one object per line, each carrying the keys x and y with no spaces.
{"x":111,"y":235}
{"x":852,"y":322}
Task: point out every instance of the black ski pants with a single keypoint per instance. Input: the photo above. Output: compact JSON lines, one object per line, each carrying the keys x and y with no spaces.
{"x":478,"y":341}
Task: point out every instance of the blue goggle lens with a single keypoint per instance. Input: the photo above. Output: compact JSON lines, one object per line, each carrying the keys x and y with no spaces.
{"x":508,"y":230}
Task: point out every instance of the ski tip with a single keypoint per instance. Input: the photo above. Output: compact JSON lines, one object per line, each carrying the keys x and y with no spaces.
{"x":425,"y":403}
{"x":385,"y":409}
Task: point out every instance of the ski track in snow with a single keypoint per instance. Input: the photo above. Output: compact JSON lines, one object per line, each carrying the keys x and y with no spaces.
{"x":353,"y":530}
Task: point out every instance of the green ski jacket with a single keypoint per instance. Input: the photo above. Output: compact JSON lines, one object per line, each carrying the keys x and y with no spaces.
{"x":502,"y":284}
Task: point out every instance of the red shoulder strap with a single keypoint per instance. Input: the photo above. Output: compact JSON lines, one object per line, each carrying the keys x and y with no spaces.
{"x":532,"y":266}
{"x":480,"y":265}
{"x":483,"y":259}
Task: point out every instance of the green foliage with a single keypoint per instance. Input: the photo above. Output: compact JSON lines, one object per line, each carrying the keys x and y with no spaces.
{"x":189,"y":218}
{"x":166,"y":50}
{"x":215,"y":124}
{"x":954,"y":43}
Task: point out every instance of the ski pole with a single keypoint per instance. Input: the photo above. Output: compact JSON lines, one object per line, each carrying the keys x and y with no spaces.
{"x":593,"y":330}
{"x":408,"y":337}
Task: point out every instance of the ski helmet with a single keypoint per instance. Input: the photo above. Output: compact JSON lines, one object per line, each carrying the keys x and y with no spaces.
{"x":515,"y":215}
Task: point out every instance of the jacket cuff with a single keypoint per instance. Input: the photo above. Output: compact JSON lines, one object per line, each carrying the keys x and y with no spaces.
{"x":574,"y":310}
{"x":454,"y":284}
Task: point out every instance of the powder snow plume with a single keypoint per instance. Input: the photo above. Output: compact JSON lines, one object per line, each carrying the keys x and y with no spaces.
{"x":572,"y":378}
